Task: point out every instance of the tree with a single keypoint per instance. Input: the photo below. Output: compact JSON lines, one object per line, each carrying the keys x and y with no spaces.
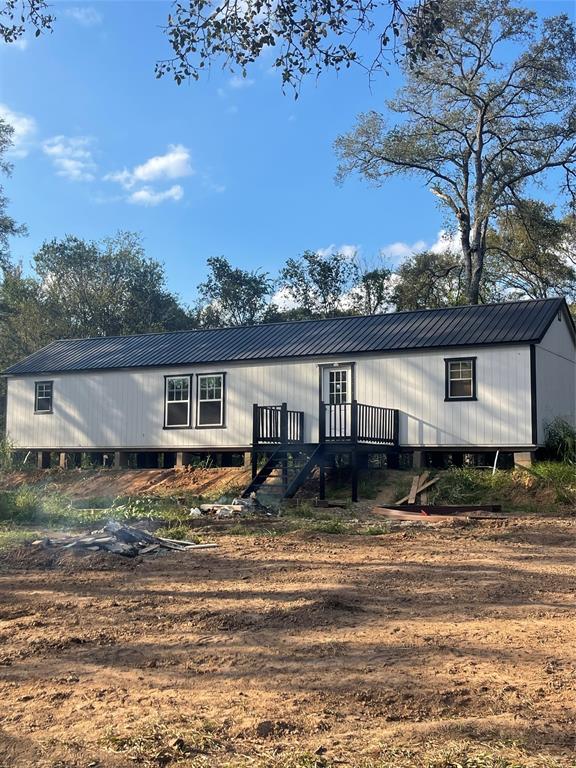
{"x":8,"y":227}
{"x":318,"y":284}
{"x":475,"y":125}
{"x":232,"y":296}
{"x":531,"y":253}
{"x":372,"y":292}
{"x":25,"y":322}
{"x":306,"y":36}
{"x":16,"y":16}
{"x":428,"y":281}
{"x":106,"y":288}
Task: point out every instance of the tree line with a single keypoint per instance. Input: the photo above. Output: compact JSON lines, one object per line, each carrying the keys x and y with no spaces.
{"x":83,"y":288}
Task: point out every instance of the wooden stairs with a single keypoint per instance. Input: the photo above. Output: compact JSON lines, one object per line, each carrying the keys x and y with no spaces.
{"x":284,"y":473}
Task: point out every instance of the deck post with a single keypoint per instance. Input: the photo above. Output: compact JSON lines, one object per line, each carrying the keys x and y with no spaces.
{"x":393,"y":460}
{"x":322,"y":478}
{"x":354,"y":422}
{"x":354,"y":474}
{"x":120,"y":460}
{"x":43,"y":459}
{"x":255,"y":425}
{"x":62,"y":463}
{"x":418,"y":459}
{"x":254,"y":462}
{"x":284,"y":424}
{"x":322,"y":423}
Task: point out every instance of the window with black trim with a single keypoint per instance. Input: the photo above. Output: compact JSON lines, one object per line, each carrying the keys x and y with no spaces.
{"x":210,"y":400}
{"x":461,"y":378}
{"x":177,"y":411}
{"x":43,"y":397}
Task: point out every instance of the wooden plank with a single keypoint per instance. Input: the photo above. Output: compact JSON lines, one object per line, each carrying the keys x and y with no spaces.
{"x":393,"y":514}
{"x":444,"y":509}
{"x":414,"y":489}
{"x":404,"y":499}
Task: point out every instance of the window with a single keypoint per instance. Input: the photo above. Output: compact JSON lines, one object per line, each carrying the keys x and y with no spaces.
{"x":43,"y":397}
{"x":461,"y":378}
{"x":338,"y":386}
{"x":210,"y":394}
{"x":177,"y":401}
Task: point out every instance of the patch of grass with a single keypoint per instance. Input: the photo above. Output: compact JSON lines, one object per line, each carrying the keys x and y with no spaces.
{"x":331,"y":526}
{"x":159,"y":745}
{"x":34,"y":506}
{"x":179,"y":533}
{"x":536,"y":489}
{"x":376,"y":530}
{"x":558,"y":476}
{"x":303,"y":511}
{"x":15,"y":537}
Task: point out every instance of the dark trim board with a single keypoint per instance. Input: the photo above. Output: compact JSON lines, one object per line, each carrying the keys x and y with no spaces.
{"x":533,"y":394}
{"x":339,"y":447}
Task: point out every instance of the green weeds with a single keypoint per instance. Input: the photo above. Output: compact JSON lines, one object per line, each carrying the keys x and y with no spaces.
{"x":541,"y":488}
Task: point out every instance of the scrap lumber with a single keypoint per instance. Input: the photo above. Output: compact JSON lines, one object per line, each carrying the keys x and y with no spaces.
{"x":418,"y":515}
{"x":119,"y":539}
{"x":421,"y":488}
{"x":414,"y":489}
{"x":444,"y":509}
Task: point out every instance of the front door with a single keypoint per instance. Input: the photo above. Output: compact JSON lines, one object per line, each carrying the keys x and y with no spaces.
{"x":337,"y":396}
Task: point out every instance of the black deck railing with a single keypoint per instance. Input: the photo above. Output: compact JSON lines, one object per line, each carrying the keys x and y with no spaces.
{"x":358,"y":423}
{"x":277,"y":425}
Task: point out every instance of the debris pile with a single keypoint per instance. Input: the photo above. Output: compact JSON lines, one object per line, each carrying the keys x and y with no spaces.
{"x":236,"y":508}
{"x":120,"y":540}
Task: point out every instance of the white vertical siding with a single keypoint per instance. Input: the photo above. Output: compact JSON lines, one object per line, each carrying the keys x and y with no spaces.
{"x":556,"y":375}
{"x":125,"y":409}
{"x":415,"y":384}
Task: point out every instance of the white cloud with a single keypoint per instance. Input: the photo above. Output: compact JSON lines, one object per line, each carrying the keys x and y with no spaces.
{"x":175,"y":164}
{"x":446,"y":243}
{"x":347,"y":250}
{"x":400,"y":250}
{"x":24,"y":130}
{"x":149,"y":197}
{"x":86,"y":16}
{"x":283,"y":300}
{"x":72,"y":157}
{"x":238,"y":83}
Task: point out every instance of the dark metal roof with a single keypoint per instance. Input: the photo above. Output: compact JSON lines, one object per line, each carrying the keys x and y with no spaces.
{"x":521,"y":322}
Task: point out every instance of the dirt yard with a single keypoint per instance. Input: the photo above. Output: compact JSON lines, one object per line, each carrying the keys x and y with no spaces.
{"x":85,"y":484}
{"x":407,"y":649}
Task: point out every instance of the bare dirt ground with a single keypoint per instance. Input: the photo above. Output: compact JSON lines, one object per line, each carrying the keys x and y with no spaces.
{"x":301,"y":650}
{"x":84,"y":484}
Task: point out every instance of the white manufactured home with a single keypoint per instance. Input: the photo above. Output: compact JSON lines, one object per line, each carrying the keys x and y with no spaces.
{"x":464,"y":379}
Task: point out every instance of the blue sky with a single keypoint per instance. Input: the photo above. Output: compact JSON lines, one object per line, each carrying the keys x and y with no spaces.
{"x":222,"y":167}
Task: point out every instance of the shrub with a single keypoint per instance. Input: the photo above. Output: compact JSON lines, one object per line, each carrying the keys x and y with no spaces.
{"x":6,"y":454}
{"x":532,"y":489}
{"x":561,"y":440}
